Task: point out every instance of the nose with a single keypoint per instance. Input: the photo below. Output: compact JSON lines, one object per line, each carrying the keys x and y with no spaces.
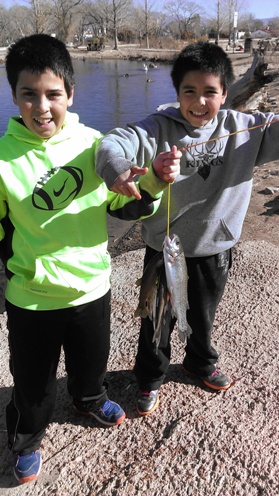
{"x":42,"y":104}
{"x":201,"y":99}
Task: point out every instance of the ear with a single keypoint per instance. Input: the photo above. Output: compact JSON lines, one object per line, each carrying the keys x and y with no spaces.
{"x":71,"y":98}
{"x":224,"y":96}
{"x":14,"y":98}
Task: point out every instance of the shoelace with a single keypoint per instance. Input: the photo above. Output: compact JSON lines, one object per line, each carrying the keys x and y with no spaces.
{"x":216,"y":372}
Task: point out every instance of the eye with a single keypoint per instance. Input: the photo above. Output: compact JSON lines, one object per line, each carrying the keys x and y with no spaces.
{"x":54,"y":94}
{"x":28,"y":93}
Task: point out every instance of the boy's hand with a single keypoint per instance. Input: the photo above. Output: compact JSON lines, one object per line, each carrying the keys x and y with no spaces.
{"x":167,"y":165}
{"x":125,"y":184}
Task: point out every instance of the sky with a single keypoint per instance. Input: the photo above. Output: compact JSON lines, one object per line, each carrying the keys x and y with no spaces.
{"x":261,"y":9}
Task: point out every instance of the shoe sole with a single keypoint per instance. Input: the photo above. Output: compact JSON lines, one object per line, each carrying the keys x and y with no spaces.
{"x":26,"y":479}
{"x":206,"y":383}
{"x":149,"y":411}
{"x":216,"y":388}
{"x":103,"y":422}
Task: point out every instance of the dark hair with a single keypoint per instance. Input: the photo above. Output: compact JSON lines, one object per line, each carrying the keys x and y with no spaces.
{"x":204,"y":57}
{"x":38,"y":53}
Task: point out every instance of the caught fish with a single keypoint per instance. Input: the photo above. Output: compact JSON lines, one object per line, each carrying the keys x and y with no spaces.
{"x":148,"y":286}
{"x":160,"y":307}
{"x":177,"y":282}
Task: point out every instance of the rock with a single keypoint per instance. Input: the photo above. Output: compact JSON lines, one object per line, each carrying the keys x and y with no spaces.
{"x":269,"y":190}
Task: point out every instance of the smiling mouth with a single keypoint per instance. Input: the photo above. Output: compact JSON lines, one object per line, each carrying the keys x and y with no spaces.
{"x":43,"y":121}
{"x":198,"y":114}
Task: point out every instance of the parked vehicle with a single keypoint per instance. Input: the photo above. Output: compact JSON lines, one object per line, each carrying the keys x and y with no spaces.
{"x":96,"y":44}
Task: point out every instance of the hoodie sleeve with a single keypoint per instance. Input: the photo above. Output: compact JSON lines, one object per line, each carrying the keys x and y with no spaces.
{"x":122,"y":148}
{"x":151,"y":189}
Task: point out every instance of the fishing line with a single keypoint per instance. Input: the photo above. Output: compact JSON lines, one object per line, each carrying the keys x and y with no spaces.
{"x":168,"y":219}
{"x":227,"y":135}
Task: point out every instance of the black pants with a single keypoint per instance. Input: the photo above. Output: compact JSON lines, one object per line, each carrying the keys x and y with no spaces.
{"x":35,"y":339}
{"x":206,"y":284}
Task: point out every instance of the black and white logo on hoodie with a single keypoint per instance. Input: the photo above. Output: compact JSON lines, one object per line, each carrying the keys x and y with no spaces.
{"x":205,"y":155}
{"x":57,"y":188}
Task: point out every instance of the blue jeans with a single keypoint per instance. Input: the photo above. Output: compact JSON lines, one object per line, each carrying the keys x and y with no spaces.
{"x":206,"y":284}
{"x":36,"y":339}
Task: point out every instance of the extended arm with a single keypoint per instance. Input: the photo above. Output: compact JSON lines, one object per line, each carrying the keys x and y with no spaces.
{"x":164,"y":165}
{"x":148,"y":189}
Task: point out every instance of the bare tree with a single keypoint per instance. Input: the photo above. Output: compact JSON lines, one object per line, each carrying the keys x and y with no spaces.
{"x":218,"y":21}
{"x":121,"y":12}
{"x":222,"y":18}
{"x":19,"y":23}
{"x":147,"y":21}
{"x":40,"y":16}
{"x":93,"y":19}
{"x":184,"y":14}
{"x":4,"y":26}
{"x":116,"y":15}
{"x":64,"y":13}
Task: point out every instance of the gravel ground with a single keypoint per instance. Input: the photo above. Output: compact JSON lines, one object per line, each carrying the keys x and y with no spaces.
{"x":197,"y":442}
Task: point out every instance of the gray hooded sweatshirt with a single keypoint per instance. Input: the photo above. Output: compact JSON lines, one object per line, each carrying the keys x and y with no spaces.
{"x":210,"y":197}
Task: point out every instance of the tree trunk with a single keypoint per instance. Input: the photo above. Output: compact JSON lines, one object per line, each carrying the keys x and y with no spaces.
{"x":252,"y":81}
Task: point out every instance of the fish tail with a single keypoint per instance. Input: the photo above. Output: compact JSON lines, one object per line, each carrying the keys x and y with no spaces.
{"x":184,"y":333}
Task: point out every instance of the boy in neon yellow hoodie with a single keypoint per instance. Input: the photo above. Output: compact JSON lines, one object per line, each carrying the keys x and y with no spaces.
{"x":53,"y":242}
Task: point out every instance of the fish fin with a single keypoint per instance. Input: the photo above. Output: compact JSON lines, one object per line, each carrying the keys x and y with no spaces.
{"x":189,"y":330}
{"x":139,"y":281}
{"x":160,"y":262}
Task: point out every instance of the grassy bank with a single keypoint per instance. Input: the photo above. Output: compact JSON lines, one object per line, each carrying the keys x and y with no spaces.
{"x":127,"y":52}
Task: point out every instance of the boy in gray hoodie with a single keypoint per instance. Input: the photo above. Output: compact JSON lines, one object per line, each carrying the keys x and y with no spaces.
{"x":209,"y":200}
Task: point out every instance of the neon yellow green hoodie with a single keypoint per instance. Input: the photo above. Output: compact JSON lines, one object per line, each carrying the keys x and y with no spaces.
{"x":53,"y":216}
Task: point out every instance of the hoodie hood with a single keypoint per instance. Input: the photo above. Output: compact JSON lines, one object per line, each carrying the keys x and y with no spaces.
{"x":20,"y":132}
{"x":174,"y":113}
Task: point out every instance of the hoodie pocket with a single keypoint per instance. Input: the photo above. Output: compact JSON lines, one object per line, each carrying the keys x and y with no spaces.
{"x":203,"y":237}
{"x":78,"y":272}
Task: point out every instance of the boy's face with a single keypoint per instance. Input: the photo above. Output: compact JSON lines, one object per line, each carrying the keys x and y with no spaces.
{"x":42,"y":102}
{"x":201,"y":96}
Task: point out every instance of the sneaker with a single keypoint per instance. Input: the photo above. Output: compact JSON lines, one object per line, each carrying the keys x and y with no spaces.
{"x":110,"y":413}
{"x":27,"y":467}
{"x":147,"y":401}
{"x":217,"y":380}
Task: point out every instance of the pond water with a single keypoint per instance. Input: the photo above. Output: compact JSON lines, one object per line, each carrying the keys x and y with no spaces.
{"x":104,"y":97}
